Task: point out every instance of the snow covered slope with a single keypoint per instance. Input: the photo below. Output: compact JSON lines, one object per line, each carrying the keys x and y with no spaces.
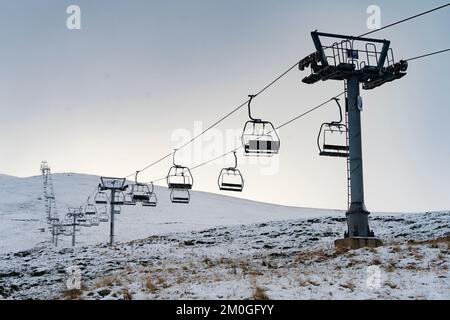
{"x":278,"y":260}
{"x":22,"y":212}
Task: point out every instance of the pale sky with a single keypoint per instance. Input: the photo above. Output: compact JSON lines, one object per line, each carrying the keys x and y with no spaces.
{"x":114,"y":96}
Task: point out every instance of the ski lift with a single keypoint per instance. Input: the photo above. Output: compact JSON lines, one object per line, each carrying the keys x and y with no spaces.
{"x":119,"y":198}
{"x":180,"y":196}
{"x":230,"y":179}
{"x":103,"y":215}
{"x":152,"y":202}
{"x":332,"y":137}
{"x":90,"y":208}
{"x":179,"y":177}
{"x":259,"y":137}
{"x":128,"y":201}
{"x":140,"y":192}
{"x":101,"y":197}
{"x":95,"y":221}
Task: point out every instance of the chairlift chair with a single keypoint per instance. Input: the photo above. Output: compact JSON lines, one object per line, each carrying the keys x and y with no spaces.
{"x":140,"y":191}
{"x":230,"y":179}
{"x":179,"y":177}
{"x":152,"y":202}
{"x":95,"y":221}
{"x":128,"y":201}
{"x":332,"y":137}
{"x":180,"y":196}
{"x":101,"y":197}
{"x":90,"y":208}
{"x":119,"y":198}
{"x":103,"y":217}
{"x":259,"y":137}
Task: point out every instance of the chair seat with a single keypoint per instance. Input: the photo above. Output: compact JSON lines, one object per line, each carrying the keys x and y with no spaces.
{"x":233,"y":185}
{"x":180,"y":186}
{"x":231,"y":189}
{"x":335,"y":147}
{"x":333,"y":154}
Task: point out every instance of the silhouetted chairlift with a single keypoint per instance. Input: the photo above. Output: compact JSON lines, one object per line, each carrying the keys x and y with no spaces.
{"x":180,"y":196}
{"x":259,"y":137}
{"x":119,"y":198}
{"x":95,"y":221}
{"x":103,"y":215}
{"x":230,"y":179}
{"x":153,"y":200}
{"x":128,"y":201}
{"x":335,"y":131}
{"x":101,"y":197}
{"x":179,"y":177}
{"x":140,"y":192}
{"x":90,"y":208}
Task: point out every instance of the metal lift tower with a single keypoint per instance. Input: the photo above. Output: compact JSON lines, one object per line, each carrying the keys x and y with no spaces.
{"x":356,"y":61}
{"x":114,"y":185}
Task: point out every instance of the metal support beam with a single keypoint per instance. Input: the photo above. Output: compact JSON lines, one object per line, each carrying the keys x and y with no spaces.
{"x":357,"y":215}
{"x":74,"y":229}
{"x":111,"y":229}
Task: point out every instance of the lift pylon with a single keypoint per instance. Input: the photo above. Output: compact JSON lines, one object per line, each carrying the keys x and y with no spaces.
{"x":356,"y":60}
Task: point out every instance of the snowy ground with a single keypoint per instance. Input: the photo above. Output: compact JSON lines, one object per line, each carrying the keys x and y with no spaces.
{"x":277,"y":260}
{"x":216,"y":248}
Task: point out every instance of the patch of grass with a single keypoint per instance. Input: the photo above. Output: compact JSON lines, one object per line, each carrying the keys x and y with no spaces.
{"x":108,"y":281}
{"x":72,"y":294}
{"x":260,"y":294}
{"x":151,"y":287}
{"x":348,"y":285}
{"x":126,"y":294}
{"x":390,"y":267}
{"x":391,"y":285}
{"x":376,"y":261}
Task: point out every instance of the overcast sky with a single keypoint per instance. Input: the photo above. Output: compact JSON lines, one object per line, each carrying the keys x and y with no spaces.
{"x":119,"y":93}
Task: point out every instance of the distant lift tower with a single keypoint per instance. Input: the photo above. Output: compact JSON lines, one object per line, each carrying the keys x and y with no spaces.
{"x":354,"y":60}
{"x":49,"y":197}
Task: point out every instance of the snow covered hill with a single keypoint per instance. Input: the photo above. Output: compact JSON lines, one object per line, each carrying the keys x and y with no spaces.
{"x":22,"y":212}
{"x":216,"y":247}
{"x":276,"y":260}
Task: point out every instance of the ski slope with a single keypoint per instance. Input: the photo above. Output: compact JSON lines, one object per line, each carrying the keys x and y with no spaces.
{"x":22,"y":212}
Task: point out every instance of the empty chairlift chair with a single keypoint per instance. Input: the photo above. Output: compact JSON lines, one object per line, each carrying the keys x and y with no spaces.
{"x":140,"y":192}
{"x":128,"y":201}
{"x":332,"y":138}
{"x":118,"y":199}
{"x":259,"y":137}
{"x":153,"y":200}
{"x":180,"y":196}
{"x":230,"y":179}
{"x":103,"y":215}
{"x":95,"y":221}
{"x":90,"y":209}
{"x":180,"y":181}
{"x":101,"y":197}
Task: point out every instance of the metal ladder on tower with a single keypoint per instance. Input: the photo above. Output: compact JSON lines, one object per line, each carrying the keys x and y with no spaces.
{"x":349,"y":182}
